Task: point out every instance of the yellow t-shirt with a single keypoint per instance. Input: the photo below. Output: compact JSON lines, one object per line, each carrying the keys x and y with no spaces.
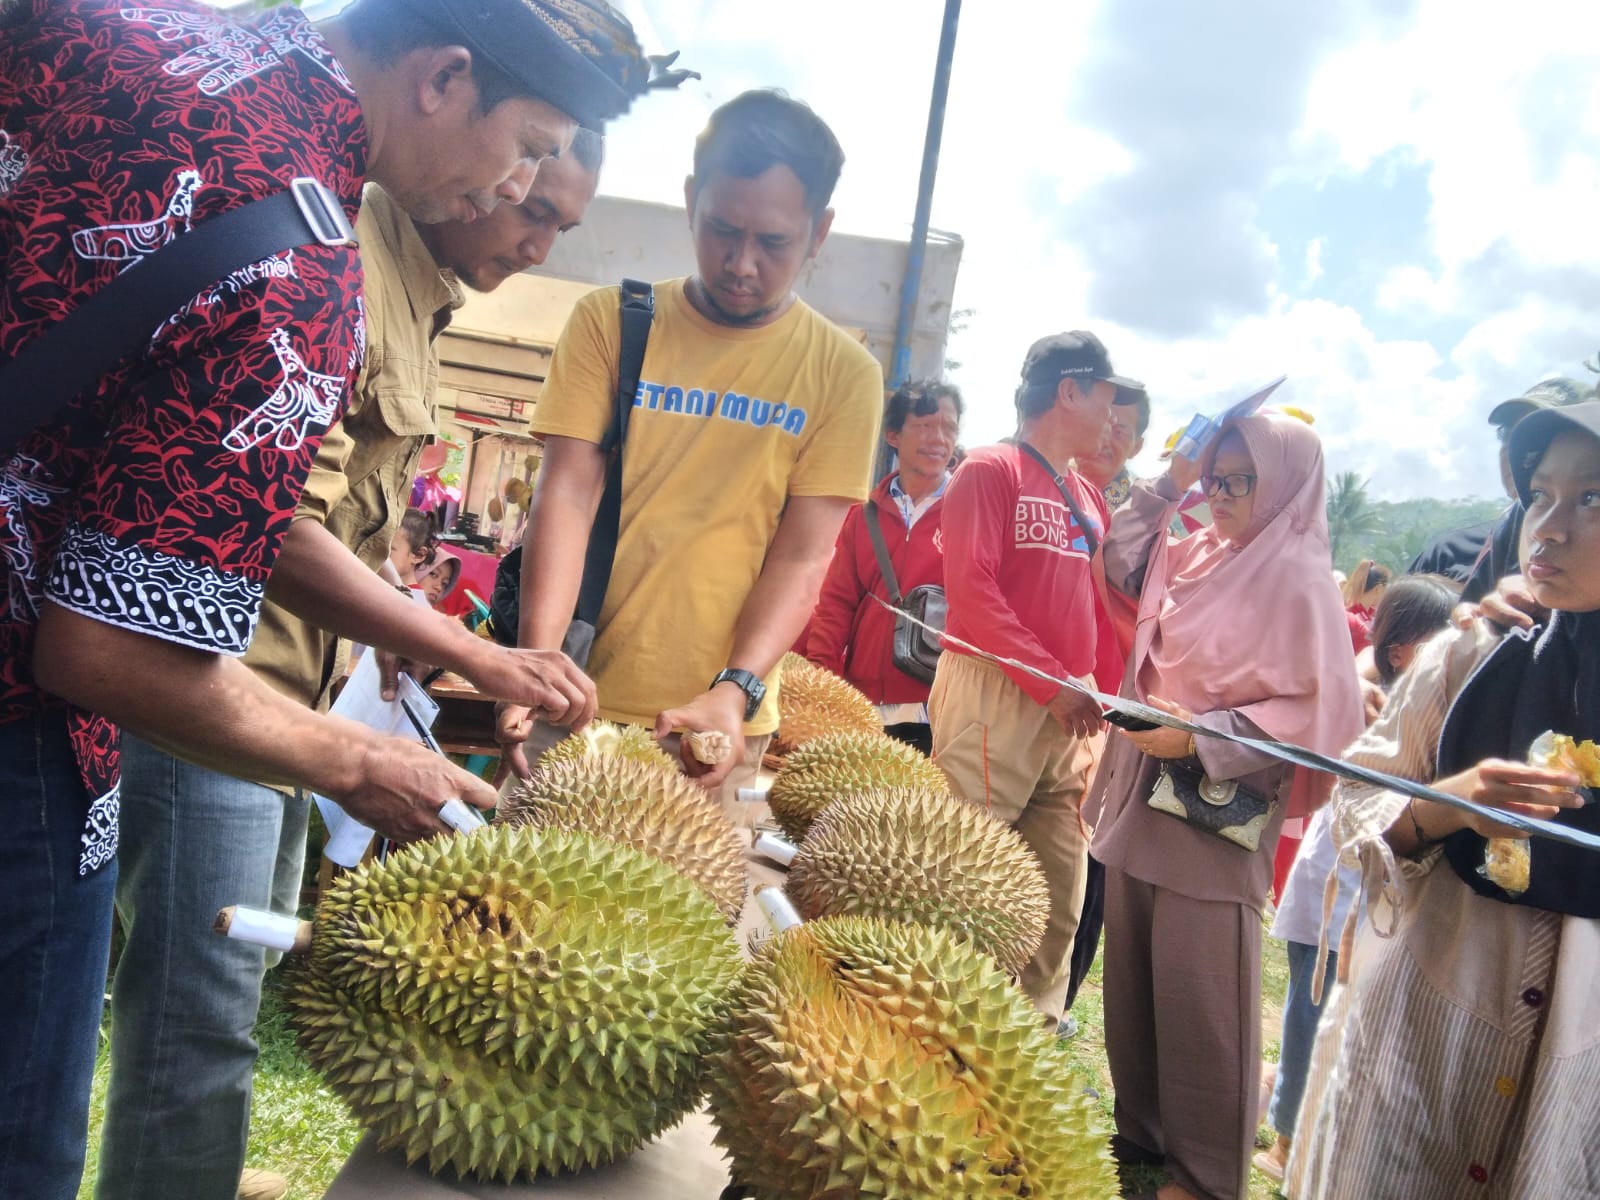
{"x":727,"y":424}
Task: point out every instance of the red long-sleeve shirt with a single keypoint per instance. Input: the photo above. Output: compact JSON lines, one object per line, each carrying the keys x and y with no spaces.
{"x":849,"y":633}
{"x":1018,"y":577}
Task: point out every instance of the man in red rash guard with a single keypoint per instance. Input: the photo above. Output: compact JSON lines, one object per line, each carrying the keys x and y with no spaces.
{"x":1020,"y":584}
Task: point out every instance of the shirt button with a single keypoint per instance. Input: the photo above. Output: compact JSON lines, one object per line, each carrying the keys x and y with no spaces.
{"x":1477,"y":1174}
{"x":1533,"y":997}
{"x":1506,"y":1086}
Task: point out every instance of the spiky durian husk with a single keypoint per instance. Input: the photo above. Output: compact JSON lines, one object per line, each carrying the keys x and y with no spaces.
{"x":516,"y":1001}
{"x":841,"y":764}
{"x":642,"y":804}
{"x":603,"y":737}
{"x":813,"y":702}
{"x":928,"y":858}
{"x":869,"y":1058}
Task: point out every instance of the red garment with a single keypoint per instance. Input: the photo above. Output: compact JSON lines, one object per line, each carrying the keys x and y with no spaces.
{"x":1020,"y":583}
{"x":1359,"y":618}
{"x":158,"y":501}
{"x":852,"y":635}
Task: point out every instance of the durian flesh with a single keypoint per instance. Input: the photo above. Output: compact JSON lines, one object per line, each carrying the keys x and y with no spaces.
{"x":604,"y":737}
{"x":642,"y":804}
{"x":868,"y":1058}
{"x":842,"y":764}
{"x":813,"y":702}
{"x":926,"y":857}
{"x":517,"y":1001}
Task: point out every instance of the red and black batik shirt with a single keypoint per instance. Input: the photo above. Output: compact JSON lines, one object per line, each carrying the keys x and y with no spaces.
{"x":157,"y":502}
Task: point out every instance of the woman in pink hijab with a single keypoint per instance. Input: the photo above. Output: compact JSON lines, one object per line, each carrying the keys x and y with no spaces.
{"x":1240,"y":629}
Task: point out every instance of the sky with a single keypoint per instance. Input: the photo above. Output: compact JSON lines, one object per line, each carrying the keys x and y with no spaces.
{"x":1392,"y":202}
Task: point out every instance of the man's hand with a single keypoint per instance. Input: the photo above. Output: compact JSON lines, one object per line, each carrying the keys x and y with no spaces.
{"x":513,"y":725}
{"x":721,"y":709}
{"x":402,"y":786}
{"x":545,"y":683}
{"x":390,"y":668}
{"x":1076,"y":712}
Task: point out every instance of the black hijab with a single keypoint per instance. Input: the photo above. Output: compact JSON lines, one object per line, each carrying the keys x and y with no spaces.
{"x":1543,"y":679}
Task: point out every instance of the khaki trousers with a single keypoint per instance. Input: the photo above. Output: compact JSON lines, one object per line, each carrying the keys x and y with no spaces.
{"x":742,"y":813}
{"x":1004,"y":752}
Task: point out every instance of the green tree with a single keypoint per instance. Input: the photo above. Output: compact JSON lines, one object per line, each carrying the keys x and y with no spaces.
{"x":1351,"y":516}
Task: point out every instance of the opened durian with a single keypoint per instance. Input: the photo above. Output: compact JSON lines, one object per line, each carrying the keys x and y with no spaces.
{"x":925,"y":857}
{"x":643,"y":804}
{"x":813,"y":702}
{"x":841,"y":764}
{"x":517,"y":1001}
{"x":602,"y":737}
{"x":868,"y":1058}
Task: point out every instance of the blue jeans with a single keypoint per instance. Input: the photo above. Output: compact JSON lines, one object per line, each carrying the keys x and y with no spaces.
{"x":55,"y":937}
{"x":184,"y":1001}
{"x":1300,"y":1018}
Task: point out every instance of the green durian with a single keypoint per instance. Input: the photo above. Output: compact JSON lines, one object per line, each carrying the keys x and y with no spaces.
{"x":813,"y":702}
{"x":603,"y":737}
{"x":926,"y":857}
{"x":869,"y":1058}
{"x":841,"y":764}
{"x":515,"y":1001}
{"x":642,"y":804}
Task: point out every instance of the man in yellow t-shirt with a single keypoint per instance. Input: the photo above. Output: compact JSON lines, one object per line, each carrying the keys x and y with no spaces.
{"x":752,"y":433}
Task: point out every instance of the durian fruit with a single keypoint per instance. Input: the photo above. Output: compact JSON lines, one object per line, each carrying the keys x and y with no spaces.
{"x":870,"y":1058}
{"x":517,"y":1001}
{"x":813,"y":702}
{"x":643,"y":804}
{"x":926,"y":857}
{"x":839,"y":764}
{"x":602,"y":737}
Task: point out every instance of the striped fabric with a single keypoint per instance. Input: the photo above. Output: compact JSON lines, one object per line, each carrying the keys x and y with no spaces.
{"x":1462,"y":1058}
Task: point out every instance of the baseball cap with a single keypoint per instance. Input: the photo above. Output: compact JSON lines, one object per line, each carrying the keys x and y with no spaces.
{"x":1550,"y":393}
{"x":580,"y":56}
{"x":1077,"y":355}
{"x":1534,"y":433}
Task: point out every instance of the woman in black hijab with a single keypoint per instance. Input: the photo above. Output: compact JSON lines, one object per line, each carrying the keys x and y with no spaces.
{"x":1464,"y":1057}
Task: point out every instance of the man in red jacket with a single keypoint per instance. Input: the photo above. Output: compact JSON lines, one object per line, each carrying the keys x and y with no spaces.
{"x":850,"y":633}
{"x":1021,"y":529}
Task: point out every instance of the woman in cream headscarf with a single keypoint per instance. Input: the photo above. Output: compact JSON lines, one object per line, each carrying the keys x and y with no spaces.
{"x":1242,"y":630}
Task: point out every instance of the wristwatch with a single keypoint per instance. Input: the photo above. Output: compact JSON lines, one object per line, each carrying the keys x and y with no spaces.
{"x":749,"y":683}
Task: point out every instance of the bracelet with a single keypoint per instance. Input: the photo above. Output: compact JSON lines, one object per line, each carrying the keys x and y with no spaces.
{"x":1194,"y":751}
{"x":1416,"y":825}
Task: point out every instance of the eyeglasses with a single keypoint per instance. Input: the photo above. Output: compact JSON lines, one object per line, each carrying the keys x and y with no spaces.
{"x":1235,"y":487}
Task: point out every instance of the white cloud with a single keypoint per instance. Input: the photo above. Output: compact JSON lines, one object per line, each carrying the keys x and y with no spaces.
{"x":1107,"y":165}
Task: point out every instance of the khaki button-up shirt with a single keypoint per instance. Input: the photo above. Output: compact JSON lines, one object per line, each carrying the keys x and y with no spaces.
{"x":361,"y":481}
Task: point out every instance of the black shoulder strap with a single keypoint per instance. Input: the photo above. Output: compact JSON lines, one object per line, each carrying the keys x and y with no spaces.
{"x":118,"y":320}
{"x":638,"y":302}
{"x":1089,"y":534}
{"x":869,"y":512}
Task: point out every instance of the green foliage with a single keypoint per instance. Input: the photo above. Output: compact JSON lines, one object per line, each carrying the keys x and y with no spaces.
{"x":1399,"y":530}
{"x":1350,"y":512}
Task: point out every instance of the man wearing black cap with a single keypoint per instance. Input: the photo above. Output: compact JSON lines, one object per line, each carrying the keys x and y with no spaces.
{"x":1482,"y":565}
{"x":139,"y":524}
{"x":1021,"y":530}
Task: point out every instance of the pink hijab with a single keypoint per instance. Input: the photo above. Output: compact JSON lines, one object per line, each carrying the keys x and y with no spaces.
{"x":1259,"y":628}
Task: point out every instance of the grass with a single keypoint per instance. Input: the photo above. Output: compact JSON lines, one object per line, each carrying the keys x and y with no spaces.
{"x":301,"y":1130}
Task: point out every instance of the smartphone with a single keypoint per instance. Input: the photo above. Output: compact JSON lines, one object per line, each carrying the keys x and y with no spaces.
{"x":1132,"y":724}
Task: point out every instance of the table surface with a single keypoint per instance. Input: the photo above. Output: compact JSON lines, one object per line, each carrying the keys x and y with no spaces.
{"x":682,"y":1164}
